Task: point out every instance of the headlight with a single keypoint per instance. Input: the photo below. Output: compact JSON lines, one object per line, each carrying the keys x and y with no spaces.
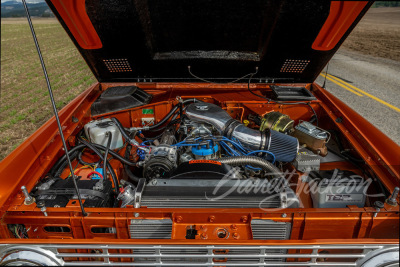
{"x":386,"y":257}
{"x":25,"y":255}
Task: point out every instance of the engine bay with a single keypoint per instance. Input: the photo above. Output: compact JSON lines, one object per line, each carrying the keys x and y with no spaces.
{"x":202,"y":153}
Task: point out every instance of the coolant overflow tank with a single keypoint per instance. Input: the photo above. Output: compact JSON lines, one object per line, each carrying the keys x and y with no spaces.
{"x":96,"y":131}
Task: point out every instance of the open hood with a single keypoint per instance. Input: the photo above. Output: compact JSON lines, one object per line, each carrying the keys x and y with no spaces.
{"x":152,"y":40}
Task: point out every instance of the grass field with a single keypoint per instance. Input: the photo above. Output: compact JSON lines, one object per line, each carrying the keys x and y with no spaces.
{"x":24,"y":101}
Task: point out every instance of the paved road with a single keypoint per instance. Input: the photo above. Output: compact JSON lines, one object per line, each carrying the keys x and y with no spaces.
{"x":370,"y":86}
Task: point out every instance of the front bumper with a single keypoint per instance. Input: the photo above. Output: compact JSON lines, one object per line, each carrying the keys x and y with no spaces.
{"x":366,"y":255}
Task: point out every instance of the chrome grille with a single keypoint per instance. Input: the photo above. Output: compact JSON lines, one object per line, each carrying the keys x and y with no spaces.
{"x":196,"y":202}
{"x":203,"y":255}
{"x":270,"y":230}
{"x":151,"y":229}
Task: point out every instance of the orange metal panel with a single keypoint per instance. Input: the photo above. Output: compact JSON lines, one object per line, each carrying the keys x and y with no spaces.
{"x":74,"y":15}
{"x":341,"y":17}
{"x":28,"y":161}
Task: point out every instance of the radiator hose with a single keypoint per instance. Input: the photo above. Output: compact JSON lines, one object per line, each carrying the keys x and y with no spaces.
{"x":253,"y":161}
{"x":278,"y":183}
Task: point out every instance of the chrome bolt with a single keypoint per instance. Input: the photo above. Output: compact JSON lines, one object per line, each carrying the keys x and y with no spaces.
{"x":378,"y":206}
{"x":376,"y":213}
{"x":392,"y":199}
{"x":137,"y":214}
{"x":284,"y":215}
{"x":44,"y":211}
{"x":28,"y":198}
{"x":25,"y":191}
{"x":40,"y":204}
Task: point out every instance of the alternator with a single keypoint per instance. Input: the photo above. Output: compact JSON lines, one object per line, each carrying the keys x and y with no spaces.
{"x":160,"y":162}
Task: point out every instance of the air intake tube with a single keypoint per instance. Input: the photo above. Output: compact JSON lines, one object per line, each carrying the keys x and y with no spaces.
{"x":283,"y":146}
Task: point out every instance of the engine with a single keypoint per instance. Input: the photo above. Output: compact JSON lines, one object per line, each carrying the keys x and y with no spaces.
{"x":214,"y":152}
{"x":202,"y":158}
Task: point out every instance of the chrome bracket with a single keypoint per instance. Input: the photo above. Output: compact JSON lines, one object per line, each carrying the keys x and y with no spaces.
{"x":138,"y":193}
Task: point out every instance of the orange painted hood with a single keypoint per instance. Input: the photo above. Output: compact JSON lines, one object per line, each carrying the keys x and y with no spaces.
{"x":144,"y":40}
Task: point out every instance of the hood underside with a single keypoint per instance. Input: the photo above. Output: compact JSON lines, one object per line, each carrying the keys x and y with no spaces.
{"x":281,"y":41}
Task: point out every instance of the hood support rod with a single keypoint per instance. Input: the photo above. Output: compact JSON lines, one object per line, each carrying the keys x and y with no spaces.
{"x":54,"y":106}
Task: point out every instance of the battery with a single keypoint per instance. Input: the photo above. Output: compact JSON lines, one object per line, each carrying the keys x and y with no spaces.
{"x":337,"y":189}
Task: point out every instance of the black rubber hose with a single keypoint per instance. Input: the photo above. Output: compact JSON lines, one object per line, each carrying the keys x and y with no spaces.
{"x":57,"y":172}
{"x":81,"y":161}
{"x":115,"y":155}
{"x":63,"y":160}
{"x":253,"y":161}
{"x":349,"y":156}
{"x":155,"y":126}
{"x":173,"y":110}
{"x":166,"y":126}
{"x":92,"y":147}
{"x":109,"y":134}
{"x":64,"y":164}
{"x":126,"y":167}
{"x":343,"y":151}
{"x":163,"y":120}
{"x":122,"y":130}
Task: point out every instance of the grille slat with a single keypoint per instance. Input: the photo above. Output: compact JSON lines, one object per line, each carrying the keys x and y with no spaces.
{"x":204,"y":255}
{"x":151,"y":229}
{"x":221,"y":256}
{"x":188,"y":202}
{"x":270,"y":230}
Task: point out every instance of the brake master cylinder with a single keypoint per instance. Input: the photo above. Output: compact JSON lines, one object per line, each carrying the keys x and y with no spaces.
{"x":312,"y":137}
